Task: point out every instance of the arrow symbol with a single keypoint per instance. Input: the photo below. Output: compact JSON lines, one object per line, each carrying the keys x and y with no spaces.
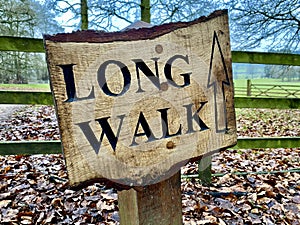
{"x":218,"y":78}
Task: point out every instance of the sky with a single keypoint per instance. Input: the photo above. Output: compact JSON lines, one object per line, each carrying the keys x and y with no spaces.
{"x":69,"y":24}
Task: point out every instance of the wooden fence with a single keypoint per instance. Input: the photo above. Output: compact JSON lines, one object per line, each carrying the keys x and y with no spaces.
{"x":45,"y":98}
{"x":268,"y":90}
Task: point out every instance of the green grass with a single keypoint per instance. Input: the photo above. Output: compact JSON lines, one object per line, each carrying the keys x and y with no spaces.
{"x":25,"y":87}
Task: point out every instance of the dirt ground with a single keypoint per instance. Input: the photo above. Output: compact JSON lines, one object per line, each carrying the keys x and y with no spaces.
{"x":6,"y":110}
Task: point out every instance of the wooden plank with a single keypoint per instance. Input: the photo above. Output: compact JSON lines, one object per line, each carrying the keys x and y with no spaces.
{"x":267,"y":142}
{"x":266,"y":58}
{"x":267,"y":103}
{"x":46,"y":98}
{"x":248,"y":87}
{"x":30,"y":147}
{"x":24,"y":97}
{"x":9,"y":43}
{"x":157,"y":204}
{"x":54,"y":147}
{"x":22,"y":44}
{"x":132,"y":116}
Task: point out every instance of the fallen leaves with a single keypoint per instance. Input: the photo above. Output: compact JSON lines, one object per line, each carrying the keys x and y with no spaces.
{"x":31,"y":123}
{"x":35,"y":191}
{"x":265,"y":122}
{"x":251,"y":198}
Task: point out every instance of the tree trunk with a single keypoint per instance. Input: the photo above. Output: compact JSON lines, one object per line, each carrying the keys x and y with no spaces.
{"x":145,"y":11}
{"x":84,"y":15}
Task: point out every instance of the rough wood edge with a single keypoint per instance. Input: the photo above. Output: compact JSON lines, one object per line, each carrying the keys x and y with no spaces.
{"x":129,"y":35}
{"x":169,"y":173}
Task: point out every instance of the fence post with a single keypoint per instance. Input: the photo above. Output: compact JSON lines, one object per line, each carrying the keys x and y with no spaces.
{"x":204,"y":170}
{"x":249,"y":87}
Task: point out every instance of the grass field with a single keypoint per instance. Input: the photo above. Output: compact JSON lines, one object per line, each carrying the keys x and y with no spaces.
{"x":25,"y":87}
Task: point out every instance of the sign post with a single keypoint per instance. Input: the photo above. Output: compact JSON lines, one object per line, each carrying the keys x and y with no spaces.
{"x":154,"y":204}
{"x":135,"y":106}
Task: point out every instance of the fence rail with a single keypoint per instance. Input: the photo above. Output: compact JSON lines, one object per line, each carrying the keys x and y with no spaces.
{"x":273,"y":90}
{"x":54,"y":147}
{"x":37,"y":45}
{"x":45,"y":98}
{"x":268,"y":90}
{"x":21,"y":44}
{"x":23,"y":97}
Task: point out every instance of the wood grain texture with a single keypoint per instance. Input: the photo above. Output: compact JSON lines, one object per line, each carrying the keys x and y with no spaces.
{"x":143,"y":108}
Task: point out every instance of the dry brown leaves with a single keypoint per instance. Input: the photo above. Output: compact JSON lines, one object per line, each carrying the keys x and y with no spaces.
{"x":34,"y":189}
{"x":265,"y":122}
{"x":250,"y":198}
{"x":32,"y":123}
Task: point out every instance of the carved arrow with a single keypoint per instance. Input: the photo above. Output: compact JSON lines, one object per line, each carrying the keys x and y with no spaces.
{"x":213,"y":81}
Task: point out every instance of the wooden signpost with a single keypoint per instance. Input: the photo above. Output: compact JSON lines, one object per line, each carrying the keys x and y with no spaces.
{"x":135,"y":106}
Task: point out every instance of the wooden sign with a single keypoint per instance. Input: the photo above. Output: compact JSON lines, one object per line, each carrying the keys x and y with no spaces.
{"x":135,"y":106}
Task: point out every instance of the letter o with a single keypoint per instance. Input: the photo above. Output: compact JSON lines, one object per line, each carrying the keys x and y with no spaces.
{"x":102,"y":79}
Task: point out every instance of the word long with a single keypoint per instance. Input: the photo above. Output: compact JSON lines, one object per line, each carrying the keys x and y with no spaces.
{"x":140,"y":66}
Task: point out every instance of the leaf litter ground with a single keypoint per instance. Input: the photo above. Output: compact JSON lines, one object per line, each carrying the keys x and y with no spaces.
{"x":34,"y":188}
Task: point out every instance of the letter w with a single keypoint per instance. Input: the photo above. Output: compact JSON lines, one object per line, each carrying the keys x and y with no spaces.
{"x":106,"y":129}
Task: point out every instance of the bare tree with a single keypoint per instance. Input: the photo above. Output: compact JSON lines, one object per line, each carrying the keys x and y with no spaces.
{"x":164,"y":11}
{"x":274,"y":24}
{"x":15,"y":16}
{"x":112,"y":15}
{"x":22,"y":18}
{"x":155,"y":11}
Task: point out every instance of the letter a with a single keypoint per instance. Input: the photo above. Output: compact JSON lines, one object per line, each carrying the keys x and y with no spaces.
{"x":147,"y":131}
